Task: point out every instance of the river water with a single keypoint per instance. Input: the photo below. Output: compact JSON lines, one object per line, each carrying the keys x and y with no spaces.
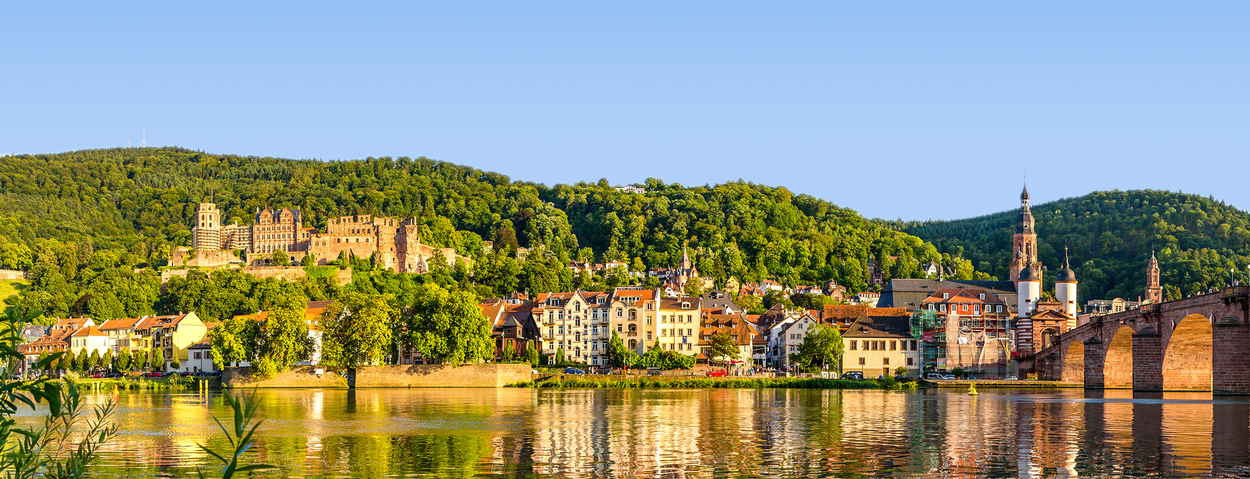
{"x":695,"y":433}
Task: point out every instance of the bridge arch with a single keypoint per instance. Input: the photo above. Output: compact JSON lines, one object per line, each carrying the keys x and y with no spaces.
{"x":1074,"y":363}
{"x":1188,"y":357}
{"x":1117,"y":368}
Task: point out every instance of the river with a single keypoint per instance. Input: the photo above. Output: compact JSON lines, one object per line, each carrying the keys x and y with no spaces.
{"x":695,"y":433}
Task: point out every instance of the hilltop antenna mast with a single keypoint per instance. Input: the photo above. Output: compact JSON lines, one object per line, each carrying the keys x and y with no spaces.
{"x":145,"y":137}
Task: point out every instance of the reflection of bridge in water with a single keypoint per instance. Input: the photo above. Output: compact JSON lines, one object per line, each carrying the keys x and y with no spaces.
{"x":1194,"y":344}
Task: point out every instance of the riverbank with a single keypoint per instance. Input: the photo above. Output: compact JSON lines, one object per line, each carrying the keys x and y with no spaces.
{"x":999,"y":384}
{"x":391,"y":376}
{"x":592,"y":382}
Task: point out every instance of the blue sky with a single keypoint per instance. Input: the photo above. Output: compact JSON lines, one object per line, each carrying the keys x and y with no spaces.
{"x":924,"y":110}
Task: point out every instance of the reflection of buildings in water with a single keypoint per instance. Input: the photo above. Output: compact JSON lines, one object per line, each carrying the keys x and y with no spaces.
{"x":656,"y":433}
{"x":979,"y":435}
{"x":1047,"y":434}
{"x":566,"y":425}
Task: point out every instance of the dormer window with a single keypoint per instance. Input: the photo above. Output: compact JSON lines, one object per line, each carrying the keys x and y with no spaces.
{"x":983,"y":296}
{"x":685,"y":305}
{"x":946,"y":296}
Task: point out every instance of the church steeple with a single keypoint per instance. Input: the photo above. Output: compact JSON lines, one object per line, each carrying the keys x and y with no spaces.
{"x":1024,"y":243}
{"x":1154,"y":292}
{"x":685,"y":258}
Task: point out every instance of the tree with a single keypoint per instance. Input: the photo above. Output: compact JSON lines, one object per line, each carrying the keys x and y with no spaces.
{"x":233,"y":340}
{"x":357,"y":331}
{"x":83,"y":361}
{"x":724,"y":346}
{"x":560,"y":356}
{"x":124,"y":359}
{"x":106,"y":361}
{"x":821,"y":347}
{"x":309,"y":260}
{"x":175,"y":364}
{"x":901,"y":371}
{"x":283,"y":339}
{"x":141,"y":359}
{"x":280,"y":258}
{"x":447,"y":326}
{"x":93,"y":361}
{"x":619,"y":354}
{"x":531,"y":352}
{"x":694,"y":287}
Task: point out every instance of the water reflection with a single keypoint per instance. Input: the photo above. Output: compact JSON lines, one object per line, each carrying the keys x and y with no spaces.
{"x":698,"y":433}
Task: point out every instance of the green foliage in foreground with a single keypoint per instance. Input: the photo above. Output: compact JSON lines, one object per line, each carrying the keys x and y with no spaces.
{"x":713,"y":383}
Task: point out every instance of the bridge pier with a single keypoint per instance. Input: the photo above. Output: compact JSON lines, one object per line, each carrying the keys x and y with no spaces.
{"x":1148,"y":349}
{"x":1095,"y":361}
{"x":1230,"y":348}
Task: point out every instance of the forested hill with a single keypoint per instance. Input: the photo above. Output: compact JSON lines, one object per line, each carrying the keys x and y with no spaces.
{"x":1110,"y":236}
{"x":73,"y":217}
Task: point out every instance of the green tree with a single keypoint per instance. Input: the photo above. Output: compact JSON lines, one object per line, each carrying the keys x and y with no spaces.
{"x":619,"y":354}
{"x":357,"y":332}
{"x":83,"y":360}
{"x":283,"y":340}
{"x":821,"y":347}
{"x":280,"y":258}
{"x":559,"y":356}
{"x":124,"y":359}
{"x":233,"y":340}
{"x":694,"y":287}
{"x":531,"y":352}
{"x":723,"y":346}
{"x":93,"y":360}
{"x":901,"y":371}
{"x":447,"y":326}
{"x":308,"y":260}
{"x":106,"y":361}
{"x":175,"y":364}
{"x":141,"y":359}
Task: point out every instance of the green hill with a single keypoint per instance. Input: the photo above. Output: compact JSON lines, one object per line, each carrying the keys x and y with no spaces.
{"x":90,"y":225}
{"x":1110,"y":236}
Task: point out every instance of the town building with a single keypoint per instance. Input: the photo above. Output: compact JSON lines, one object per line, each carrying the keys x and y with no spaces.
{"x":733,"y":325}
{"x":965,"y":328}
{"x":89,"y":339}
{"x":200,"y":357}
{"x":879,"y":345}
{"x":678,"y":326}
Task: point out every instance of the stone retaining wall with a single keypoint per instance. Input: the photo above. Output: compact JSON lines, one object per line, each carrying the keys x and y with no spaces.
{"x":398,"y":376}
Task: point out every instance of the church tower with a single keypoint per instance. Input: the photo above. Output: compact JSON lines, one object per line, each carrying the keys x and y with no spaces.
{"x":1065,"y":287}
{"x":1024,"y":243}
{"x":1154,"y":292}
{"x":685,"y":259}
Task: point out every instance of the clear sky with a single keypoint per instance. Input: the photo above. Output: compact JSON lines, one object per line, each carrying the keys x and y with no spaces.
{"x":921,"y":110}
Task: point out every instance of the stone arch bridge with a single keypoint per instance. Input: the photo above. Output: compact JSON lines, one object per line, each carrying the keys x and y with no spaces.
{"x":1200,"y":343}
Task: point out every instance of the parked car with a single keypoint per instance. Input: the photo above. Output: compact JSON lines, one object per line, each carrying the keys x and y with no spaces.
{"x":115,"y":375}
{"x":1012,"y":378}
{"x":571,"y":370}
{"x":154,"y":374}
{"x":719,"y":373}
{"x":604,"y":371}
{"x":932,"y":376}
{"x":949,"y":376}
{"x":98,"y":375}
{"x":654,"y":372}
{"x":856,"y":375}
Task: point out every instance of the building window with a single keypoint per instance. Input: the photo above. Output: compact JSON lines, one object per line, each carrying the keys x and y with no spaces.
{"x":885,"y":361}
{"x":853,"y":343}
{"x":893,"y":345}
{"x":942,"y":308}
{"x":909,"y":361}
{"x":862,"y":361}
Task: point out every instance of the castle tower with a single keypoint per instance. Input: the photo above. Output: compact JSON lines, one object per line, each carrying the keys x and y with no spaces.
{"x":1024,"y":242}
{"x":1065,"y":287}
{"x":1154,"y":292}
{"x":1028,"y":290}
{"x":206,"y":232}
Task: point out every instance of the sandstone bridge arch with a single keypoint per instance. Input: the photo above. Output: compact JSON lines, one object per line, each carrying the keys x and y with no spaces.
{"x":1195,"y":344}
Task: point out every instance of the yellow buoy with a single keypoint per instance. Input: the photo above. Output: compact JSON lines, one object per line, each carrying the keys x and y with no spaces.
{"x":972,"y":389}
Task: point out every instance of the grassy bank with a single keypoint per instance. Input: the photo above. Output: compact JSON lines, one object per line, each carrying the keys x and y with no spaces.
{"x":709,"y":383}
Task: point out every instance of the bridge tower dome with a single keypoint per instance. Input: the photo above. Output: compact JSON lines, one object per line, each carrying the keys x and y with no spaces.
{"x":1028,"y":290}
{"x":1065,"y":287}
{"x":1024,"y":242}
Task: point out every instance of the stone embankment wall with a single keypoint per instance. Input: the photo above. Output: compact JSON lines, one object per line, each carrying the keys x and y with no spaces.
{"x":292,"y":273}
{"x":399,"y":376}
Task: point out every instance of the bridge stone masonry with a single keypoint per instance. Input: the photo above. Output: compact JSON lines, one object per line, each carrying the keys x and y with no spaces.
{"x":1200,"y":343}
